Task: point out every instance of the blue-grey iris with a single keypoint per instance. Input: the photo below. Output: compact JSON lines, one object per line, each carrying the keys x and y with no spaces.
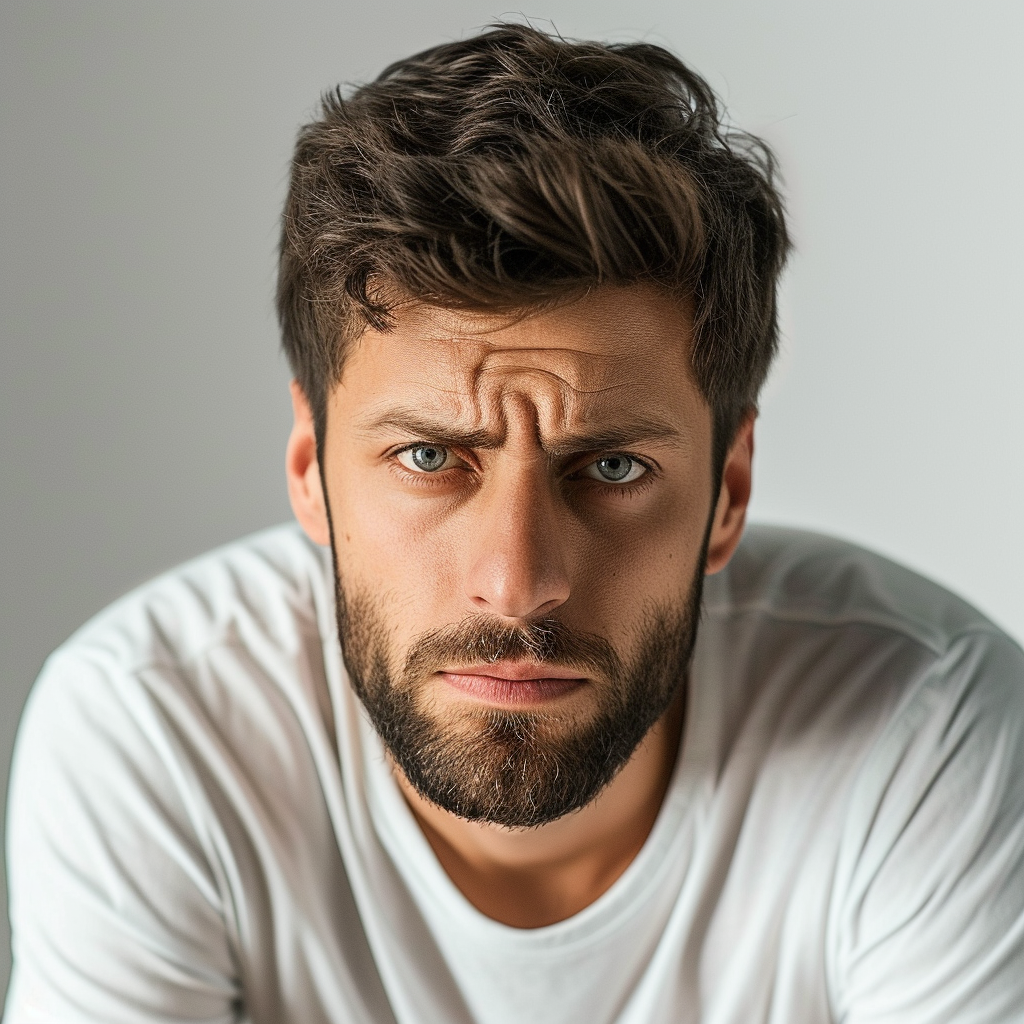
{"x":430,"y":458}
{"x":614,"y":467}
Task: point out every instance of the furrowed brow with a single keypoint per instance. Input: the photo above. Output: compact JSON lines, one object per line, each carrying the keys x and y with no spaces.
{"x":611,"y":438}
{"x":624,"y":435}
{"x":424,"y":428}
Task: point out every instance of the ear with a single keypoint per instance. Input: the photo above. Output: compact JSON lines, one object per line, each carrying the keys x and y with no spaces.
{"x":733,"y":497}
{"x":305,"y":489}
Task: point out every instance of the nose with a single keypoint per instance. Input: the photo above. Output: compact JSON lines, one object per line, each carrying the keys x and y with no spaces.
{"x":516,"y":548}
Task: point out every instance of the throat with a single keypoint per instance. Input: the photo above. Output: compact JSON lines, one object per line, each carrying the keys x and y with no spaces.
{"x":525,"y":894}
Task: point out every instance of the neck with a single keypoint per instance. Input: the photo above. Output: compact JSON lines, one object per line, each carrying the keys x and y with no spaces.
{"x":528,"y":878}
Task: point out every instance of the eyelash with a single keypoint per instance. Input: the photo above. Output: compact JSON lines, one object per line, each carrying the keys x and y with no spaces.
{"x":433,"y":480}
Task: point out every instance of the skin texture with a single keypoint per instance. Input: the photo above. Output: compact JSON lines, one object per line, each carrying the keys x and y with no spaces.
{"x":518,"y":526}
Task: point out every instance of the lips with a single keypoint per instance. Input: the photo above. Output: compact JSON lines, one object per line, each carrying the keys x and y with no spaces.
{"x":514,"y":683}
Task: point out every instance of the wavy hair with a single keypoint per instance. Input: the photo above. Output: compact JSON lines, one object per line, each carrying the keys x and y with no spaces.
{"x":517,"y":169}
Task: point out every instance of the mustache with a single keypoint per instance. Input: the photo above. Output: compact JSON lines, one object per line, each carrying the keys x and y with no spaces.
{"x":484,"y":639}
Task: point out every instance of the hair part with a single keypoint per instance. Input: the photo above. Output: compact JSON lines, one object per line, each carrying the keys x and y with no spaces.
{"x":517,"y":169}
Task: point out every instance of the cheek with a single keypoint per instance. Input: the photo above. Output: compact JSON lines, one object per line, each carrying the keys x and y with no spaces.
{"x":651,"y":557}
{"x":393,"y":543}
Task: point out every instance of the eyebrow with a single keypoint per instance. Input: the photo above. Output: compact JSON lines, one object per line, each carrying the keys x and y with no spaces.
{"x":635,"y":430}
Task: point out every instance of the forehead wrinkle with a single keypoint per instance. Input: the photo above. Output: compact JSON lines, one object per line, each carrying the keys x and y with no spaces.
{"x":518,"y":410}
{"x":486,"y":400}
{"x":591,"y":431}
{"x":559,"y":397}
{"x":509,"y":383}
{"x":571,"y":369}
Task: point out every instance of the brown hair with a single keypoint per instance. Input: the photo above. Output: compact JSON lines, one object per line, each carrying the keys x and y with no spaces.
{"x":515,"y":169}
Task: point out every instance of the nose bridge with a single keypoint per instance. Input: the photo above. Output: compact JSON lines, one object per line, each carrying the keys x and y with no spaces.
{"x":517,"y":564}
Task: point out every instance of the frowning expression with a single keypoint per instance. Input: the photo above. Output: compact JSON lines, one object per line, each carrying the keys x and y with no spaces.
{"x":556,"y":464}
{"x":519,"y":506}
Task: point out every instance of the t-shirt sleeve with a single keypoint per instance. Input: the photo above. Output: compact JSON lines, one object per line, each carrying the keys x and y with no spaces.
{"x":116,"y":908}
{"x":928,"y":921}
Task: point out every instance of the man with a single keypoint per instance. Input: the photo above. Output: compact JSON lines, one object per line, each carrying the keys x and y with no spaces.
{"x":476,"y":745}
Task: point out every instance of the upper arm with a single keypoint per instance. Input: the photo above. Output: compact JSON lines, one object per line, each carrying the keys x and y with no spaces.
{"x":116,"y":910}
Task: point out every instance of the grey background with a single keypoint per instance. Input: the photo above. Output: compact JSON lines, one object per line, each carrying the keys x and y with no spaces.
{"x":143,"y":154}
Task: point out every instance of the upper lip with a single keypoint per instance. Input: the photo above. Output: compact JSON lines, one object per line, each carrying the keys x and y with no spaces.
{"x":518,"y":670}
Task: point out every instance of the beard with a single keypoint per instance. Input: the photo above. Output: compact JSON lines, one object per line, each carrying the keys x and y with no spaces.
{"x":516,"y":768}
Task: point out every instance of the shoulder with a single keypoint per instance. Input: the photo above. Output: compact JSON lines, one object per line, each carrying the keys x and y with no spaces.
{"x":800,"y":576}
{"x":954,"y":679}
{"x":834,"y":590}
{"x":267,"y":583}
{"x":848,"y":651}
{"x":211,"y":672}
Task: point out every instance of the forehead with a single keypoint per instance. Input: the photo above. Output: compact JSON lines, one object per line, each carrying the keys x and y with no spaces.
{"x":610,"y":349}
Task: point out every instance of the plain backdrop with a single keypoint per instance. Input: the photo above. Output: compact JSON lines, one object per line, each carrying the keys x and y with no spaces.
{"x":143,"y":157}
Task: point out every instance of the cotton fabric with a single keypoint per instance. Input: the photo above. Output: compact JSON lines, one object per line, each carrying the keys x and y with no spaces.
{"x":203,"y":826}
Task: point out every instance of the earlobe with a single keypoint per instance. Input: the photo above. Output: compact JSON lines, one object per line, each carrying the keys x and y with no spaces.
{"x":733,"y":498}
{"x":305,"y":488}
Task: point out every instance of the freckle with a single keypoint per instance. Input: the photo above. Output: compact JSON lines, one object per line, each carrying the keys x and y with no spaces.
{"x":348,"y":539}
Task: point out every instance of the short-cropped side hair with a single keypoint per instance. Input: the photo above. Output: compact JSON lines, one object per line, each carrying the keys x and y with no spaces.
{"x":516,"y":169}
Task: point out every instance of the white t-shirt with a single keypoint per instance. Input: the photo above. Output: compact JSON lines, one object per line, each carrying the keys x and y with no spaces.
{"x":203,"y":827}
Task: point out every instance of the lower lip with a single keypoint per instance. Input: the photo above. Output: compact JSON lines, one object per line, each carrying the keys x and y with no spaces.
{"x":511,"y":692}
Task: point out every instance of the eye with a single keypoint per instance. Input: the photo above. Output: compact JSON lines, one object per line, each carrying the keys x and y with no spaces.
{"x":615,"y":469}
{"x":427,"y":458}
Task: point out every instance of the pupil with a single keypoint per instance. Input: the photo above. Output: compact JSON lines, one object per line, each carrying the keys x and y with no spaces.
{"x":615,"y":467}
{"x":429,"y":458}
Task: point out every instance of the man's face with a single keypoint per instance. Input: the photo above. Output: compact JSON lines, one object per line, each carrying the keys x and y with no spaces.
{"x":520,"y":508}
